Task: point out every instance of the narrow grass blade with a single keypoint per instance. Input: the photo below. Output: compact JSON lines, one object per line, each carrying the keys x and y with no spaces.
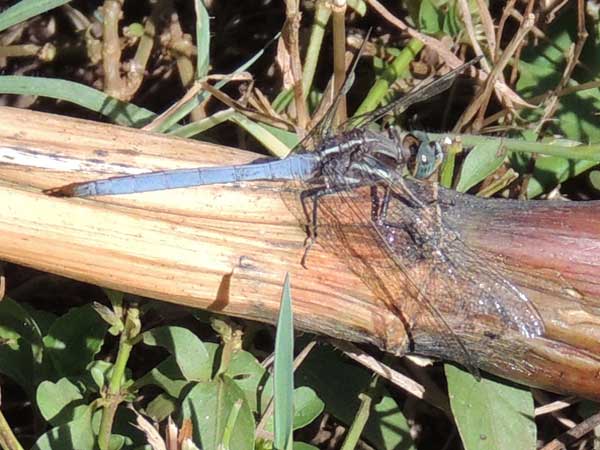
{"x":202,"y":39}
{"x":26,"y":9}
{"x":186,"y":108}
{"x":284,"y":371}
{"x":269,"y":140}
{"x":87,"y":97}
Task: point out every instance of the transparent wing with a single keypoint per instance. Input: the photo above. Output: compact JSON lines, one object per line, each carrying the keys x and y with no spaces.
{"x":454,"y":303}
{"x":324,"y":129}
{"x":471,"y":288}
{"x":419,"y":94}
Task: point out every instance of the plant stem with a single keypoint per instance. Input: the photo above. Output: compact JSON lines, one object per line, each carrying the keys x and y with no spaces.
{"x":578,"y":152}
{"x":391,"y":74}
{"x":114,"y":395}
{"x":8,"y":440}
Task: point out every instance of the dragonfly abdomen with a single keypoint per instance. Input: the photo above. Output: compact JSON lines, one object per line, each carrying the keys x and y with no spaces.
{"x":301,"y":166}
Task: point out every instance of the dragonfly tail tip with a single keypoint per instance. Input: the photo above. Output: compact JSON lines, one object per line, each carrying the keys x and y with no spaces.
{"x":62,"y":191}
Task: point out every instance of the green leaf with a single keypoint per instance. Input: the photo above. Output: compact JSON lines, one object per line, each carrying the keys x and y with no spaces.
{"x":74,"y":339}
{"x":60,"y":398}
{"x":594,"y":178}
{"x":161,"y":407}
{"x":388,"y":420}
{"x":248,"y":374}
{"x":541,"y":69}
{"x":338,"y":383}
{"x":429,"y":18}
{"x":483,"y":160}
{"x":202,"y":39}
{"x":189,"y":351}
{"x":489,"y":414}
{"x":99,"y":373}
{"x":92,"y":99}
{"x":550,"y":171}
{"x":25,"y":9}
{"x":283,"y":373}
{"x":304,"y":446}
{"x":22,"y":349}
{"x":167,"y":375}
{"x":77,"y":434}
{"x":16,"y":321}
{"x":209,"y":406}
{"x":289,"y":139}
{"x":307,"y":407}
{"x":452,"y":25}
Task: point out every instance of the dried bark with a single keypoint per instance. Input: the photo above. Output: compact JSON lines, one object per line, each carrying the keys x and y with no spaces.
{"x":227,"y":248}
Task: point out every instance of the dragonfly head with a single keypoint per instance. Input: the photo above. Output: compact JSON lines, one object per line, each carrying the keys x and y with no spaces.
{"x":422,"y":155}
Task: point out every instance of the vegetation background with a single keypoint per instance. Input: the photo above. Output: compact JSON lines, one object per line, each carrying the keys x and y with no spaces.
{"x":84,"y":367}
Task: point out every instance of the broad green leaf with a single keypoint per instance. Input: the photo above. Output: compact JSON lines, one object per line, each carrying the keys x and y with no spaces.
{"x":429,"y":17}
{"x":189,"y":351}
{"x":307,"y":407}
{"x":594,"y":178}
{"x":209,"y":406}
{"x":338,"y":383}
{"x":22,"y":349}
{"x":74,"y":339}
{"x":489,"y":414}
{"x":43,"y":320}
{"x":17,"y":362}
{"x":247,"y":373}
{"x":541,"y":68}
{"x":283,"y":373}
{"x":16,"y":321}
{"x":161,"y":407}
{"x":482,"y":160}
{"x":387,"y":419}
{"x":550,"y":171}
{"x":77,"y":434}
{"x":54,"y":398}
{"x":167,"y":375}
{"x":99,"y":375}
{"x":26,"y":9}
{"x":79,"y":94}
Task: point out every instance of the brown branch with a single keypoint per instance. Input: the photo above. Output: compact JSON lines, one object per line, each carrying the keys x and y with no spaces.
{"x":227,"y":248}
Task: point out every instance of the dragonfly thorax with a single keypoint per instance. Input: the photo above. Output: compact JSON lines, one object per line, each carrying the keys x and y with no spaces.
{"x":358,"y":155}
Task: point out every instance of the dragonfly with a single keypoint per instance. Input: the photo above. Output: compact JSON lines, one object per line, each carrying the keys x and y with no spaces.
{"x":353,"y":189}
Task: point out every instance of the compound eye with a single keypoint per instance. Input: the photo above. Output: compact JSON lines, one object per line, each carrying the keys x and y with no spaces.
{"x":428,"y":159}
{"x":410,"y":149}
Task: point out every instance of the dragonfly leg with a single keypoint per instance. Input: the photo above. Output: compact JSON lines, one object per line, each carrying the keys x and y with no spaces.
{"x":315,"y":194}
{"x":412,"y":197}
{"x":412,"y":218}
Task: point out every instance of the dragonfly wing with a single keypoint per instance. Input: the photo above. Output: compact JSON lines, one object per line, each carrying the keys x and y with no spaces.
{"x":471,"y":289}
{"x":455,"y":303}
{"x":324,"y":128}
{"x":419,"y":94}
{"x":348,"y":228}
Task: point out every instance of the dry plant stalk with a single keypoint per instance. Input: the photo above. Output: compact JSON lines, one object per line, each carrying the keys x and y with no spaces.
{"x":227,"y":248}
